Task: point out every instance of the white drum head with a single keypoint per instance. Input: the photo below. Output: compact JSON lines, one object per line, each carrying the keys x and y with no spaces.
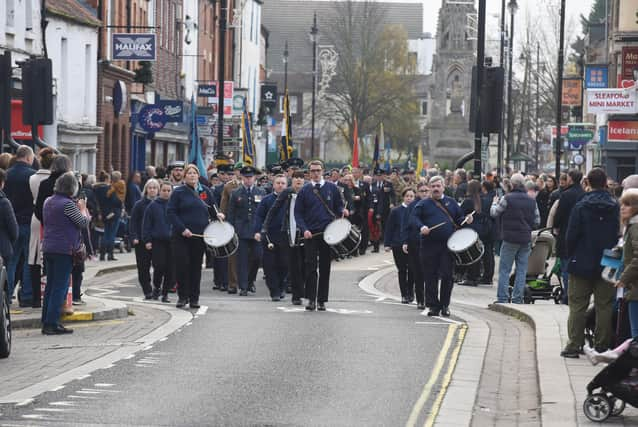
{"x":336,"y":231}
{"x":218,"y":234}
{"x":462,"y":239}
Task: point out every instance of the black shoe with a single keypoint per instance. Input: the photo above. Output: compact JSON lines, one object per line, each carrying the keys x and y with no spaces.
{"x":289,"y":290}
{"x":156,"y":294}
{"x":165,"y":299}
{"x":321,"y":307}
{"x":296,"y":302}
{"x":181,"y":303}
{"x":404,"y":300}
{"x":232,"y":291}
{"x":102,"y":256}
{"x":216,"y":287}
{"x":194,"y":304}
{"x":56,"y":330}
{"x":148,"y":297}
{"x":223,"y":288}
{"x":570,"y":354}
{"x":375,"y":251}
{"x":311,"y":306}
{"x":420,"y":306}
{"x":252,"y":288}
{"x":433,"y":312}
{"x":445,"y":312}
{"x":111,"y":257}
{"x":275,"y":299}
{"x":243,"y":293}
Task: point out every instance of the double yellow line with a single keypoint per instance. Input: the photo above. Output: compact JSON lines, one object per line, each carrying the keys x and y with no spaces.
{"x":436,"y":373}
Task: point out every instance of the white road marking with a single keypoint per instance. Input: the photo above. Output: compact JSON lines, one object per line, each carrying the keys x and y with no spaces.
{"x":163,"y":339}
{"x":62,"y":403}
{"x":25,"y":402}
{"x":103,"y":385}
{"x":444,"y":319}
{"x":34,"y":417}
{"x":101,"y":390}
{"x":347,"y":311}
{"x":82,"y":377}
{"x":72,"y":396}
{"x":291,"y":309}
{"x":88,"y":392}
{"x":50,"y":409}
{"x":202,"y":310}
{"x":130,"y":356}
{"x":148,"y":347}
{"x":58,"y":388}
{"x":382,"y":299}
{"x":431,"y":323}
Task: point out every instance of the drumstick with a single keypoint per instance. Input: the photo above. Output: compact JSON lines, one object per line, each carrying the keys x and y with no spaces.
{"x":465,"y":220}
{"x":437,"y":226}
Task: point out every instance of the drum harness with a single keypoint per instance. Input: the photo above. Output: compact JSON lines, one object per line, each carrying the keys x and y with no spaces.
{"x":445,"y":211}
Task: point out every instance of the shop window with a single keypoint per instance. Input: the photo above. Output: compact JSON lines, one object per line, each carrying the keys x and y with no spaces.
{"x":171,"y":153}
{"x":148,"y":154}
{"x":159,"y":154}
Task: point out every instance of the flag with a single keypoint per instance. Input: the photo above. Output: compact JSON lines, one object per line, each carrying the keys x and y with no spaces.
{"x":285,"y":151}
{"x":195,"y":150}
{"x":247,"y":141}
{"x":419,"y":162}
{"x":355,"y":146}
{"x":375,"y":155}
{"x":388,"y":161}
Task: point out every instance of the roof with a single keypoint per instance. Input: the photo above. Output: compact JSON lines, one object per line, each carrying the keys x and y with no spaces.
{"x":73,"y":10}
{"x":291,"y":20}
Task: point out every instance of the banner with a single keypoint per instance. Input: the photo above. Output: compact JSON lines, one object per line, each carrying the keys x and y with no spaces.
{"x":611,"y":101}
{"x":228,"y":99}
{"x":623,"y":131}
{"x":133,"y":47}
{"x":572,"y":92}
{"x":629,"y":70}
{"x":153,"y":117}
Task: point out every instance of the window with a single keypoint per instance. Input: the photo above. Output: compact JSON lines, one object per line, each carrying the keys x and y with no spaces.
{"x":63,"y":81}
{"x":424,"y":108}
{"x":28,"y":15}
{"x":11,"y":13}
{"x":148,"y":159}
{"x":87,"y":79}
{"x":171,"y":153}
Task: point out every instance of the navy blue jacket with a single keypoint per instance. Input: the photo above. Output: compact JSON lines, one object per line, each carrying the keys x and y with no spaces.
{"x":567,"y":200}
{"x":593,"y":227}
{"x":156,"y":225}
{"x":275,"y":226}
{"x":427,"y":213}
{"x":392,"y":231}
{"x":106,"y":204}
{"x":310,"y":213}
{"x":137,"y":218}
{"x":8,"y":228}
{"x":483,"y":222}
{"x":18,"y":191}
{"x":190,"y":208}
{"x":409,"y":231}
{"x":242,"y":209}
{"x":45,"y":190}
{"x":133,"y":195}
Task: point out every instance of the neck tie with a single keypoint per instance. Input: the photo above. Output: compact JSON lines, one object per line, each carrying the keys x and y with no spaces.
{"x":318,"y":186}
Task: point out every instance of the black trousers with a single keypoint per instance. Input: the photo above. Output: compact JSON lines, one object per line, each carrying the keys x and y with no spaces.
{"x":221,"y":272}
{"x":143,"y":259}
{"x":276,"y":268}
{"x":187,"y":256}
{"x":416,"y":270}
{"x":488,"y":261}
{"x":162,"y":266}
{"x":296,"y":271}
{"x":437,"y":264}
{"x":248,"y":260}
{"x":317,"y":254}
{"x":405,"y":279}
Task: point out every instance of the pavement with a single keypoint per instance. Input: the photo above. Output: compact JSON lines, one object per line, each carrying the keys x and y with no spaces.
{"x":96,"y":309}
{"x":562,"y":382}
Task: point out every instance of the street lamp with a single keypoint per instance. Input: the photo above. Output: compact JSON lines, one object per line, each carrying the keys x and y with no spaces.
{"x":286,"y":66}
{"x":559,"y":89}
{"x":512,"y":6}
{"x":313,"y":36}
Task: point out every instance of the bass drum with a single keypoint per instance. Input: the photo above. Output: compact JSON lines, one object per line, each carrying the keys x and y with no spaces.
{"x":342,"y":237}
{"x":466,"y":247}
{"x":221,"y":238}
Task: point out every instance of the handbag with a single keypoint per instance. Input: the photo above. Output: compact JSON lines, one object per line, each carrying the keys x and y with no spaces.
{"x":79,"y":254}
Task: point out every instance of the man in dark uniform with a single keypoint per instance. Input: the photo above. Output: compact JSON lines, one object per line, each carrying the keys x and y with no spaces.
{"x":242,"y":208}
{"x":234,"y":181}
{"x":220,"y":265}
{"x":382,"y":200}
{"x":443,"y":212}
{"x":317,"y":205}
{"x":176,"y":172}
{"x":269,"y":230}
{"x":361,"y":200}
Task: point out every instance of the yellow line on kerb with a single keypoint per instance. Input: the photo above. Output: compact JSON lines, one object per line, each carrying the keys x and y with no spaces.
{"x":440,"y":363}
{"x":446,"y":379}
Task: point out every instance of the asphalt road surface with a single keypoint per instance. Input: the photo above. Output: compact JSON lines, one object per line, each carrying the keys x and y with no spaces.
{"x":251,"y":361}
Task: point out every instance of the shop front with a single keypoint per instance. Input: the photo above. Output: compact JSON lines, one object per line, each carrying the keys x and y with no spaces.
{"x":620,"y":152}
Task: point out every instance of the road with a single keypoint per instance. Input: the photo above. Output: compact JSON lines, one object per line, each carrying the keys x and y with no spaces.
{"x":251,"y":361}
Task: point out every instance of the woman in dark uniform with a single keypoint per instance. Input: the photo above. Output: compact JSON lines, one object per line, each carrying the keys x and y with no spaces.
{"x":189,"y":209}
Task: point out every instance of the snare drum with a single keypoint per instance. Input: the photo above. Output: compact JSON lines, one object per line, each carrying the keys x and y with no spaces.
{"x":342,"y":237}
{"x":466,"y":247}
{"x":221,"y":238}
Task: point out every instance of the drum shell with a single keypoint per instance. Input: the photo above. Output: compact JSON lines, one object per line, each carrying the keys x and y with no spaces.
{"x":348,"y":244}
{"x":470,"y":255}
{"x":224,"y":250}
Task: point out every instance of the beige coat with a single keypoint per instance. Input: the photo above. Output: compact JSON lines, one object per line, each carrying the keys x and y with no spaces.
{"x":35,"y":247}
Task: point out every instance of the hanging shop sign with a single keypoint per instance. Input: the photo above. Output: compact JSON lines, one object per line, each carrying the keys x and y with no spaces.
{"x":20,"y":131}
{"x":153,"y":117}
{"x":611,"y":101}
{"x":133,"y":47}
{"x":213,"y":101}
{"x":622,"y":131}
{"x":596,"y":77}
{"x":572,"y":92}
{"x":627,"y":11}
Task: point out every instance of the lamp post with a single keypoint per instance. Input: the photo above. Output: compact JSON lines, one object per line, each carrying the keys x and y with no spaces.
{"x":499,"y":160}
{"x":559,"y":88}
{"x":512,"y":6}
{"x":221,"y":82}
{"x":286,"y":66}
{"x":313,"y":35}
{"x":538,"y":104}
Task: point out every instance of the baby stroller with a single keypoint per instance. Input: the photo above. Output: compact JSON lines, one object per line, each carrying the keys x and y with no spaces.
{"x":538,"y":281}
{"x":616,"y":385}
{"x":122,"y":240}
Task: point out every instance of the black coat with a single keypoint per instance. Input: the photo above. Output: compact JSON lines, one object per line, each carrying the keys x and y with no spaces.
{"x":45,"y":191}
{"x":8,"y":228}
{"x":18,"y":191}
{"x":568,"y":199}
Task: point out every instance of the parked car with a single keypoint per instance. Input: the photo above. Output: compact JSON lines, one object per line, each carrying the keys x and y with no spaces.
{"x":5,"y":314}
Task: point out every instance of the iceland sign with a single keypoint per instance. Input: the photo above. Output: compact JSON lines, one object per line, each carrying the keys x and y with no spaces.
{"x":133,"y":47}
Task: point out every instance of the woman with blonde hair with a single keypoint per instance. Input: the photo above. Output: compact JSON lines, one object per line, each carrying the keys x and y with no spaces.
{"x":143,"y":256}
{"x":629,"y":277}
